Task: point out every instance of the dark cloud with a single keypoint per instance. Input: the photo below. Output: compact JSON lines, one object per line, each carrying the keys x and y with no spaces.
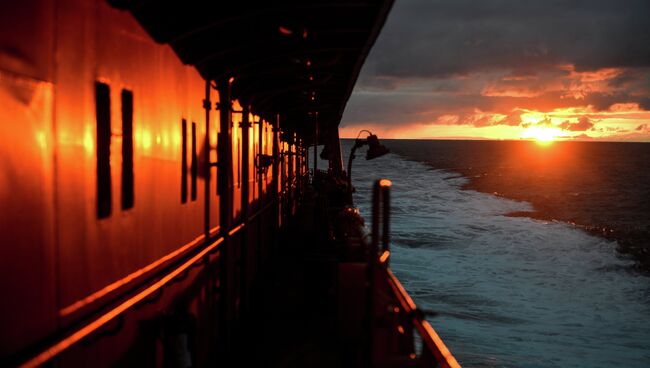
{"x":603,"y":101}
{"x":642,"y":127}
{"x":399,"y":107}
{"x":632,"y":78}
{"x":434,"y":38}
{"x":395,"y":107}
{"x":583,"y":124}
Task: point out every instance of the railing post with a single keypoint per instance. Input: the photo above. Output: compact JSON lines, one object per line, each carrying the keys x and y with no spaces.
{"x":381,"y":202}
{"x":315,"y":143}
{"x":380,"y":213}
{"x":376,"y":204}
{"x":385,"y":185}
{"x":261,"y":198}
{"x":275,"y":186}
{"x":224,"y":177}
{"x":245,"y":185}
{"x":371,"y":261}
{"x":207,"y":105}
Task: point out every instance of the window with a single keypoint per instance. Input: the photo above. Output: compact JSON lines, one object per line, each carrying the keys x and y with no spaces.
{"x":195,"y":167}
{"x":103,"y":115}
{"x":184,"y":161}
{"x":127,"y":150}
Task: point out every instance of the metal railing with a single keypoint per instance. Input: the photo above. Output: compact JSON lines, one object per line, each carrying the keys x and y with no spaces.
{"x":381,"y":219}
{"x":155,"y":283}
{"x":434,"y":349}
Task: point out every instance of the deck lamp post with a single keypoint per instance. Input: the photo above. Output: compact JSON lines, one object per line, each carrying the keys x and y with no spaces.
{"x":375,"y":149}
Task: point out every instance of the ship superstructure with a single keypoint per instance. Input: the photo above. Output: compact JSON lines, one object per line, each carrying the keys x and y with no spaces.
{"x":157,"y":203}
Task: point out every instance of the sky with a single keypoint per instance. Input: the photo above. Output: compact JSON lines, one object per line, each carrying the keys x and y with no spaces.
{"x":507,"y":69}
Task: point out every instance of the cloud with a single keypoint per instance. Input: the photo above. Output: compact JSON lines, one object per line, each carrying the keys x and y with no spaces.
{"x":513,"y":119}
{"x":448,"y":119}
{"x":582,"y":136}
{"x":483,"y":63}
{"x":433,"y":38}
{"x":583,"y":124}
{"x":481,"y":119}
{"x":642,"y":127}
{"x":614,"y":129}
{"x":605,"y":100}
{"x":546,"y":122}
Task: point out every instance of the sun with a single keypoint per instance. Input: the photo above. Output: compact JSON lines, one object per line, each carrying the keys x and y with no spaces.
{"x":542,"y":135}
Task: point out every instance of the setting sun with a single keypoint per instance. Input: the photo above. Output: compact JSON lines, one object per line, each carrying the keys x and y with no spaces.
{"x":541,"y":135}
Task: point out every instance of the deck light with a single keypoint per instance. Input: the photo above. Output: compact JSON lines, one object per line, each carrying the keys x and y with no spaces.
{"x":375,"y":149}
{"x":285,"y":31}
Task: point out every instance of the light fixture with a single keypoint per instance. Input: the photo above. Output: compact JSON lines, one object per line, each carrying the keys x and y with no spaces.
{"x":285,"y":31}
{"x":375,"y":149}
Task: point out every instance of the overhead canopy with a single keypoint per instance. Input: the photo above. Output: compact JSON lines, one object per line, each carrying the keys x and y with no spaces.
{"x":292,"y":58}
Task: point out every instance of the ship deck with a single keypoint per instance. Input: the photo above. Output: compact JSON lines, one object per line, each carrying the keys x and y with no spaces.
{"x":293,"y":318}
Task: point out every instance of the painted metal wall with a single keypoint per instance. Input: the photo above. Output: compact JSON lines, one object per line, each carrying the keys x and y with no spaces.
{"x":109,"y":46}
{"x":27,"y":148}
{"x":62,"y":262}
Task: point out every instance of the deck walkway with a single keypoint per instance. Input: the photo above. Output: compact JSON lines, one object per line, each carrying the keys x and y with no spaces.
{"x":293,"y":321}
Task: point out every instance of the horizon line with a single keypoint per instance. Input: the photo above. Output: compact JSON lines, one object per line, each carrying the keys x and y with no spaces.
{"x":506,"y":139}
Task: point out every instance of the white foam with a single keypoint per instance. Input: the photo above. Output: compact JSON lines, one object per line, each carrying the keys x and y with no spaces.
{"x":510,"y":291}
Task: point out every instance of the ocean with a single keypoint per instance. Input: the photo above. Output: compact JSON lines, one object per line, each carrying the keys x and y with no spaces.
{"x":528,"y":255}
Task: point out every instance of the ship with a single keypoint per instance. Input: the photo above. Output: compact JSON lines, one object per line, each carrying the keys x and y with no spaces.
{"x":158,"y":204}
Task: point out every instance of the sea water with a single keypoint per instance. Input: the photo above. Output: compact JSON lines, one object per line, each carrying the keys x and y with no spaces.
{"x":508,"y":291}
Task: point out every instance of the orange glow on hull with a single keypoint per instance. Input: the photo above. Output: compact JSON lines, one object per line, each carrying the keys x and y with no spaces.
{"x":126,"y":280}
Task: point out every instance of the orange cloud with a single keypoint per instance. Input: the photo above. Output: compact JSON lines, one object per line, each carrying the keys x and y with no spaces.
{"x":481,"y":119}
{"x":625,"y":107}
{"x":448,"y":119}
{"x":581,"y":84}
{"x":559,"y":101}
{"x":584,"y":123}
{"x":507,"y":91}
{"x":599,"y":75}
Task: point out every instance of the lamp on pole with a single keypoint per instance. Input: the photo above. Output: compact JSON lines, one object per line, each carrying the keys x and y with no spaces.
{"x":375,"y":149}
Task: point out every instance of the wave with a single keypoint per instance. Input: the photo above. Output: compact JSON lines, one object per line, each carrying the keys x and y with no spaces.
{"x":508,"y":291}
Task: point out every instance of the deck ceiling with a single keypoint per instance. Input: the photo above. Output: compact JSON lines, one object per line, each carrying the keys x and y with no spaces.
{"x":290,"y":58}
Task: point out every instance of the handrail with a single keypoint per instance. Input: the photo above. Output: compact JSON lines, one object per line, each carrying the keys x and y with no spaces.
{"x":380,"y":198}
{"x":72,"y":308}
{"x":94,"y":324}
{"x":61,"y":345}
{"x":430,"y":339}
